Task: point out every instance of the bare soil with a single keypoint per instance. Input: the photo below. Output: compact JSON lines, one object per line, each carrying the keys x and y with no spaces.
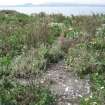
{"x":63,"y":83}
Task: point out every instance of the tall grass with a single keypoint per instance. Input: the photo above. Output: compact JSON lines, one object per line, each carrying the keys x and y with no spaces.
{"x":29,"y":43}
{"x":87,"y":24}
{"x":37,"y":32}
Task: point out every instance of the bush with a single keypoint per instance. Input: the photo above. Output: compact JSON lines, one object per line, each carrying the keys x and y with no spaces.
{"x":58,"y":18}
{"x":82,"y":60}
{"x":73,"y":33}
{"x":98,"y":91}
{"x":55,"y":54}
{"x":12,"y":93}
{"x":87,"y":24}
{"x":5,"y":66}
{"x":79,"y":59}
{"x":30,"y":63}
{"x":37,"y":32}
{"x":54,"y":33}
{"x":56,"y":29}
{"x":98,"y":43}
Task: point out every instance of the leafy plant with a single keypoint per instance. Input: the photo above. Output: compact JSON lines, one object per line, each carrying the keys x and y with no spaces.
{"x":12,"y":93}
{"x":55,"y":53}
{"x":31,"y":62}
{"x":98,"y":91}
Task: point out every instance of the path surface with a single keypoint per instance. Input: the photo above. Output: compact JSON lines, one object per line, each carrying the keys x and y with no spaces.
{"x":68,"y":87}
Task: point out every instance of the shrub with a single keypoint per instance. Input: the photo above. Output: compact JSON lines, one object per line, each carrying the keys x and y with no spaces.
{"x":55,"y":53}
{"x":87,"y":24}
{"x":79,"y":59}
{"x":82,"y":60}
{"x":37,"y":32}
{"x":98,"y":42}
{"x":54,"y":33}
{"x":5,"y":66}
{"x":98,"y":91}
{"x":101,"y":31}
{"x":58,"y":18}
{"x":73,"y":33}
{"x":56,"y":29}
{"x":12,"y":45}
{"x":30,"y":63}
{"x":12,"y":93}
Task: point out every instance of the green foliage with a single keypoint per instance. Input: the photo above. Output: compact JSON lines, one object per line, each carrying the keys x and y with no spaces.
{"x":98,"y":43}
{"x":73,"y":33}
{"x":55,"y":53}
{"x":87,"y":24}
{"x":4,"y":66}
{"x":89,"y":58}
{"x":83,"y":60}
{"x":98,"y":91}
{"x":80,"y":59}
{"x":5,"y":60}
{"x":56,"y":29}
{"x":37,"y":32}
{"x":29,"y":43}
{"x":12,"y":93}
{"x":55,"y":32}
{"x":59,"y":18}
{"x":30,"y":63}
{"x":101,"y":31}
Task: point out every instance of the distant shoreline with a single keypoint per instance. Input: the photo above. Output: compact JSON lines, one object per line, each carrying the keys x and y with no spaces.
{"x":54,"y":5}
{"x":65,"y":10}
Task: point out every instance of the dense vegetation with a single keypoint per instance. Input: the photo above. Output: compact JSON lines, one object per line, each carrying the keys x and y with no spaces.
{"x":29,"y":43}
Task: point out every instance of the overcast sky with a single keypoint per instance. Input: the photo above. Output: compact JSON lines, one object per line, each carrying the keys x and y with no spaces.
{"x":14,"y":2}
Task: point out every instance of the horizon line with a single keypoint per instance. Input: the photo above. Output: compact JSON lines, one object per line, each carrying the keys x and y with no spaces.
{"x":55,"y":3}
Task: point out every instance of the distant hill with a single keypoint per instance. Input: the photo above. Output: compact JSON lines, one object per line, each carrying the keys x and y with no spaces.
{"x":10,"y":12}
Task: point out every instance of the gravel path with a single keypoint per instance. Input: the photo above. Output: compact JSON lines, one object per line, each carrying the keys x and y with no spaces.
{"x":67,"y":86}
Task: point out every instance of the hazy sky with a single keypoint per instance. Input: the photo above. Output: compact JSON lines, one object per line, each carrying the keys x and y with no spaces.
{"x":14,"y":2}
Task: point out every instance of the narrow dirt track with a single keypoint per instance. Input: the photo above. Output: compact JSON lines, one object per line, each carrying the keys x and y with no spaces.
{"x":66,"y":85}
{"x":63,"y":83}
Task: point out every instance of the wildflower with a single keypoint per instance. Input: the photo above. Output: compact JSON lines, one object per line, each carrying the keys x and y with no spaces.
{"x":80,"y":95}
{"x":102,"y":88}
{"x":66,"y":89}
{"x":86,"y":99}
{"x":70,"y":29}
{"x":94,"y":103}
{"x":91,"y":96}
{"x":69,"y":104}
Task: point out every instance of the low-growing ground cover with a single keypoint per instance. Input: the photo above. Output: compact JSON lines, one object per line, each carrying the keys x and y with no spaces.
{"x":29,"y":44}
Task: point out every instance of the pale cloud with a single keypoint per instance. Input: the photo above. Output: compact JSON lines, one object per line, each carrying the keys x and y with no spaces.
{"x":82,"y":1}
{"x":14,"y":2}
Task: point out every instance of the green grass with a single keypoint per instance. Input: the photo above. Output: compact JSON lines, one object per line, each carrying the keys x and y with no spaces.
{"x":89,"y":58}
{"x":12,"y":93}
{"x":29,"y":43}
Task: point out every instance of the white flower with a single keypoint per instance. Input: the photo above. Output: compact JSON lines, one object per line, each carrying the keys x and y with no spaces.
{"x":91,"y":96}
{"x":69,"y":104}
{"x":70,"y":29}
{"x":80,"y":95}
{"x":86,"y":99}
{"x":102,"y":88}
{"x":94,"y":103}
{"x":66,"y":89}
